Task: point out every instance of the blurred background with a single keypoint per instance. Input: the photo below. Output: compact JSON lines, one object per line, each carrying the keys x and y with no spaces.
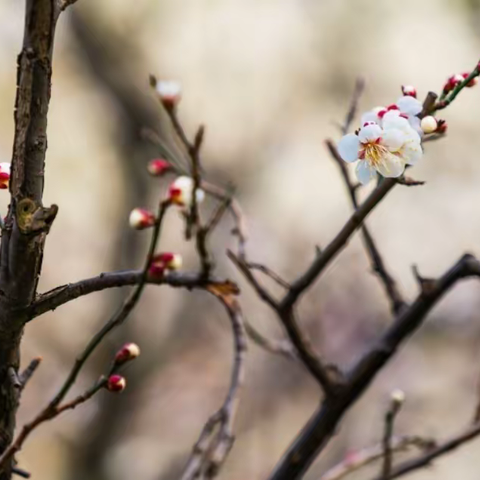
{"x":271,"y":80}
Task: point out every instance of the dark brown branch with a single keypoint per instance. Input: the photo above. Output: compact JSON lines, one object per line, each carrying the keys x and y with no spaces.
{"x":66,"y":293}
{"x":217,"y":437}
{"x":378,"y":265}
{"x":316,"y":434}
{"x":29,"y":371}
{"x":336,"y":245}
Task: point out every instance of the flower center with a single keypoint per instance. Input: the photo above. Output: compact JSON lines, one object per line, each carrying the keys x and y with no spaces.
{"x":373,"y":152}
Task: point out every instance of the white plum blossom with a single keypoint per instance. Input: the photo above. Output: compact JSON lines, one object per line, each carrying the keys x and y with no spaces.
{"x":169,"y":92}
{"x":384,"y":150}
{"x":407,"y":107}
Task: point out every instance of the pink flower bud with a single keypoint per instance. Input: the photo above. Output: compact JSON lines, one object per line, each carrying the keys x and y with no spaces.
{"x":472,"y":82}
{"x":169,"y":92}
{"x":428,"y":124}
{"x":128,"y":352}
{"x":4,"y":175}
{"x":141,"y":218}
{"x":409,"y":90}
{"x":116,"y":383}
{"x":165,"y":262}
{"x":158,"y":167}
{"x":452,"y":82}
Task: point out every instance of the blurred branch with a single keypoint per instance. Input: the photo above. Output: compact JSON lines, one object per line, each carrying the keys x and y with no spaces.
{"x":217,"y":437}
{"x":361,"y":458}
{"x":394,"y":409}
{"x":352,"y":110}
{"x":441,"y":449}
{"x":378,"y":264}
{"x":315,"y":435}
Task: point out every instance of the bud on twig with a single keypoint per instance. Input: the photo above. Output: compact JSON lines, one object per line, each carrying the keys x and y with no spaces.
{"x":164,"y":263}
{"x":128,"y":352}
{"x":398,"y":397}
{"x":409,"y":90}
{"x":429,"y":124}
{"x":116,"y":383}
{"x":169,"y":92}
{"x":158,"y":167}
{"x":181,"y":190}
{"x":141,"y":218}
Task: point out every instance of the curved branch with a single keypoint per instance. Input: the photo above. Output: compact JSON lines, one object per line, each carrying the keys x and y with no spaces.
{"x":66,"y":293}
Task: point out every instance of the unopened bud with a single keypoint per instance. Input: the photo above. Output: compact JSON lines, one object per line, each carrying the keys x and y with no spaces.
{"x":429,"y":124}
{"x":128,"y":352}
{"x":180,"y":192}
{"x":398,"y":397}
{"x":472,"y":82}
{"x":409,"y":90}
{"x":158,"y":167}
{"x":116,"y":383}
{"x":452,"y":82}
{"x":169,"y":92}
{"x":4,"y":175}
{"x":165,"y":262}
{"x":141,"y":218}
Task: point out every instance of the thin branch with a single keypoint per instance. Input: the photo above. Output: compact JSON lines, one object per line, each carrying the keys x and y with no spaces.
{"x":394,"y":409}
{"x":443,"y":448}
{"x":217,"y":437}
{"x":29,"y":371}
{"x":361,"y":458}
{"x":20,"y":472}
{"x":66,"y":293}
{"x":378,"y":265}
{"x":269,"y":273}
{"x":352,"y":110}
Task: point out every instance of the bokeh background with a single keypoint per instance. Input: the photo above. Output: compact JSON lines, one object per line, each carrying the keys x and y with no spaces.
{"x":271,"y":80}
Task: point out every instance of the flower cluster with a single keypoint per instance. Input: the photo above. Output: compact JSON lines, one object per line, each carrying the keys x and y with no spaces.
{"x":388,"y":141}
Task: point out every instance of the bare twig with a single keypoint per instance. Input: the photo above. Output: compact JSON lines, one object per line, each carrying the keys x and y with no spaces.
{"x":361,"y":458}
{"x":269,"y":273}
{"x":217,"y":437}
{"x":377,"y":262}
{"x":20,"y":472}
{"x":29,"y":371}
{"x":394,"y":409}
{"x":441,"y":449}
{"x":352,"y":110}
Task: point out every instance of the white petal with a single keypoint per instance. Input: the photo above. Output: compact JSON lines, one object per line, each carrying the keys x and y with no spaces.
{"x":392,"y":166}
{"x":348,"y":147}
{"x":393,"y":139}
{"x":409,"y":105}
{"x":370,"y":117}
{"x":412,"y":153}
{"x":392,"y":119}
{"x":415,"y":124}
{"x":370,"y":133}
{"x":365,"y":172}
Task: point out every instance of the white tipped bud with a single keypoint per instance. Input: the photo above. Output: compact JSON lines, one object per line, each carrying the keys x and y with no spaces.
{"x":429,"y":124}
{"x":409,"y":90}
{"x":116,"y":383}
{"x":128,"y":352}
{"x":141,"y":218}
{"x":398,"y":397}
{"x":169,"y":92}
{"x":181,"y":190}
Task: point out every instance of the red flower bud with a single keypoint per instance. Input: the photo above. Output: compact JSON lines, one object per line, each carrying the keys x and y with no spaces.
{"x":164,"y":262}
{"x":441,"y":126}
{"x":158,"y":167}
{"x":472,"y":82}
{"x":128,"y":352}
{"x":409,"y":90}
{"x":4,"y":175}
{"x":141,"y":218}
{"x":116,"y":383}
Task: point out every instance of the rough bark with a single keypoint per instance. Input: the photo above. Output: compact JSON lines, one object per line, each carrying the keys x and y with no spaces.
{"x":27,"y":222}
